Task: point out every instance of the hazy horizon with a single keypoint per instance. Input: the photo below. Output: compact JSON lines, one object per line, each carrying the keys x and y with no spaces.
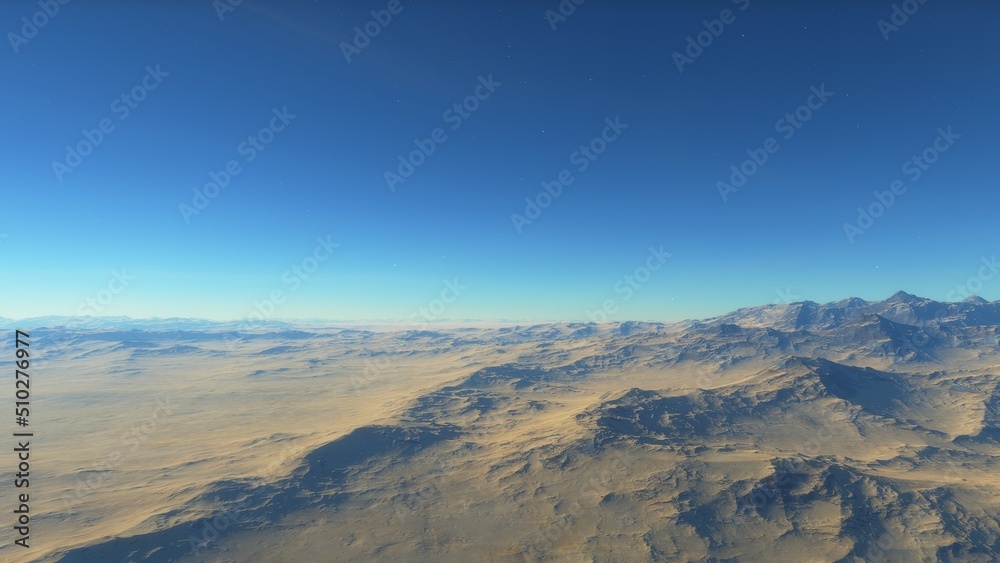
{"x":443,"y":321}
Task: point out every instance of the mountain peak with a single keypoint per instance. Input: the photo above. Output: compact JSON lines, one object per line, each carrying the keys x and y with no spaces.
{"x":975,"y":300}
{"x":903,"y":297}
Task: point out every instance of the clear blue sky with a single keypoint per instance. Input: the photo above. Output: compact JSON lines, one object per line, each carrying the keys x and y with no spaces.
{"x":323,"y":174}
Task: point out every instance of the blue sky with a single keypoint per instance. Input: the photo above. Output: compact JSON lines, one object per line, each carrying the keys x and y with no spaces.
{"x":197,"y":87}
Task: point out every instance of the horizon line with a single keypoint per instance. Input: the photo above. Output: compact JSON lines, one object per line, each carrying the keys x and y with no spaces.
{"x":439,"y":322}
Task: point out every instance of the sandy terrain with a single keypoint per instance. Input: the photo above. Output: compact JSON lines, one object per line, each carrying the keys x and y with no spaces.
{"x":802,"y":432}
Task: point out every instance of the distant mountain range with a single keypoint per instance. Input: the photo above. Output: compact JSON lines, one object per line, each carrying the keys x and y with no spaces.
{"x":901,"y":307}
{"x":846,"y":431}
